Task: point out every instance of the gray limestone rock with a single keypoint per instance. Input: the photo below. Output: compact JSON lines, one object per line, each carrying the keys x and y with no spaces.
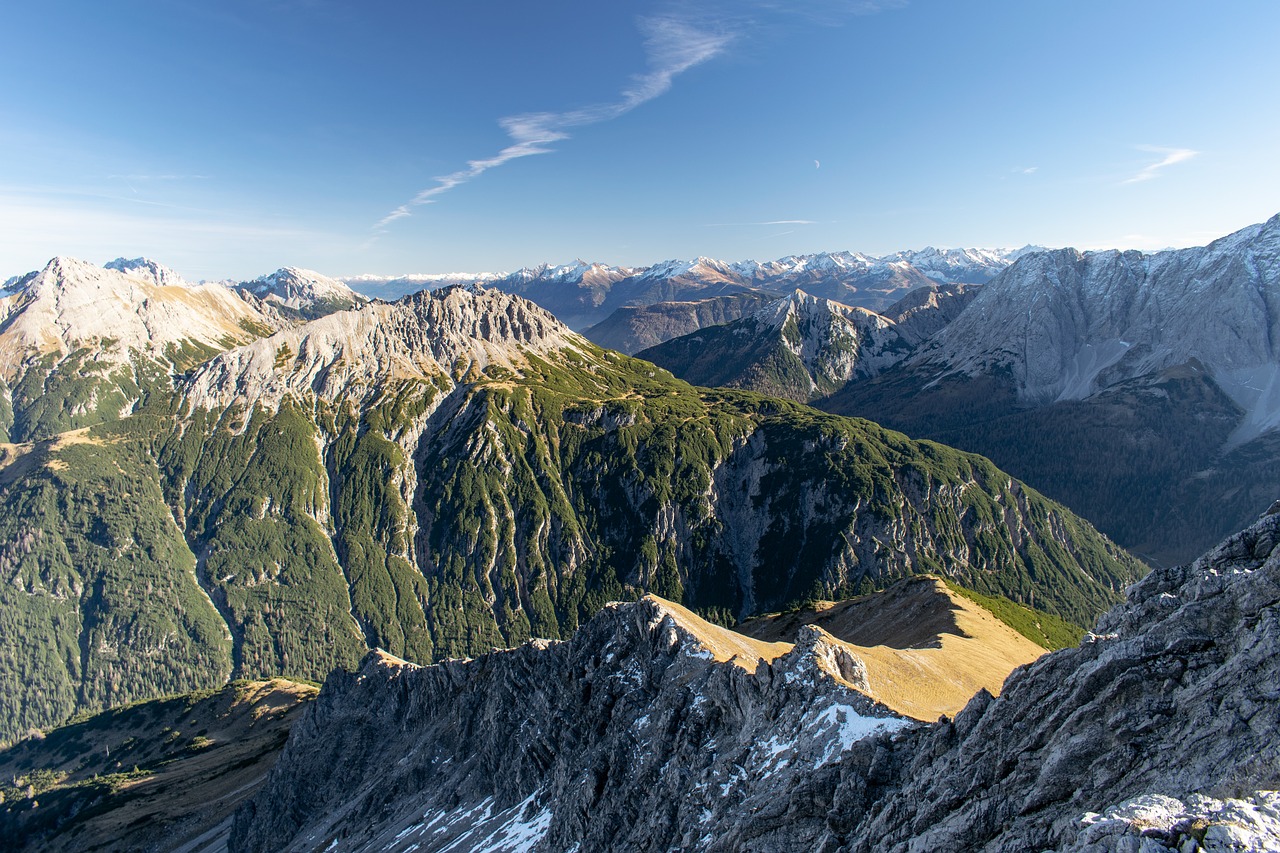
{"x":1160,"y":732}
{"x":637,"y":734}
{"x":1065,"y":324}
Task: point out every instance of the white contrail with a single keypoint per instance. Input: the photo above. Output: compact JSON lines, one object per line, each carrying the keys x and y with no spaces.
{"x":672,"y":46}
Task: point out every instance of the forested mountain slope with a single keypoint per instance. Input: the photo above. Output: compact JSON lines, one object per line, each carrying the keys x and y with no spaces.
{"x":457,"y":472}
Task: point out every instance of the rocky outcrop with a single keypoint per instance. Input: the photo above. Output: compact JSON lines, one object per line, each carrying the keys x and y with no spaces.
{"x":798,"y":347}
{"x":1173,"y":696}
{"x":1160,"y":732}
{"x":649,"y":730}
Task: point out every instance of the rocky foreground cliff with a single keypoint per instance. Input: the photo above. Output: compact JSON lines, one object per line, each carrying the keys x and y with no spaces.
{"x":1160,"y":732}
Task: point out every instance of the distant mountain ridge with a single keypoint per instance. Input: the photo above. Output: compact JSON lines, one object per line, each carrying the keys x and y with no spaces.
{"x":146,"y":268}
{"x":304,"y":294}
{"x":1141,"y":389}
{"x":393,"y":287}
{"x":804,"y":347}
{"x":583,"y":293}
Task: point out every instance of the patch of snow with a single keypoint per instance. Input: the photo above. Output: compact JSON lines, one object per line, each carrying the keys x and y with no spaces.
{"x":842,"y":726}
{"x":518,"y":828}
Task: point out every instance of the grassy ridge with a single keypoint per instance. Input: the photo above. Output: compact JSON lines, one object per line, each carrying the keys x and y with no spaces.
{"x":1043,"y":629}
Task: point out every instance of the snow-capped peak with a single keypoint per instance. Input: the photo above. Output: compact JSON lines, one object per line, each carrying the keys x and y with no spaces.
{"x":303,"y":290}
{"x":959,"y":265}
{"x":699,"y":266}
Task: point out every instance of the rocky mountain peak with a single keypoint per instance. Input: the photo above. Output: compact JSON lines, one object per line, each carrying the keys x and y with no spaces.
{"x":798,"y":346}
{"x":1067,"y":324}
{"x":148,"y":270}
{"x":926,"y":310}
{"x":71,"y":303}
{"x":801,"y":305}
{"x":452,"y":332}
{"x":303,"y":292}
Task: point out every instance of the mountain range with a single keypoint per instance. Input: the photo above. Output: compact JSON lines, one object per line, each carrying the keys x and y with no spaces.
{"x":1138,"y":389}
{"x":436,"y":477}
{"x":584,"y":294}
{"x":513,"y":556}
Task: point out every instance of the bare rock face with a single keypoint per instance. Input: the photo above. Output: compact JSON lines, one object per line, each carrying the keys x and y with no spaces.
{"x":1173,"y":696}
{"x":439,"y":336}
{"x":1066,"y":324}
{"x":648,"y":732}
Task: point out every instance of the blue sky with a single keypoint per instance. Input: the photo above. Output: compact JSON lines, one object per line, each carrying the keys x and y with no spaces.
{"x":227,"y":139}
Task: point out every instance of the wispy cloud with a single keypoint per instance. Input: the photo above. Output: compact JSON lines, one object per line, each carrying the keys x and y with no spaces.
{"x":1028,"y":170}
{"x":1172,"y":156}
{"x":673,"y":45}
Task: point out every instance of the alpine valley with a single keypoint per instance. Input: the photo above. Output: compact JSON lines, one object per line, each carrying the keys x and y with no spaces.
{"x":514,"y":557}
{"x":1139,"y":390}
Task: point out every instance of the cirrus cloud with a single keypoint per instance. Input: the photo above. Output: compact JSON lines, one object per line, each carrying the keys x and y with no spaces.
{"x":672,"y":45}
{"x":1172,"y":156}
